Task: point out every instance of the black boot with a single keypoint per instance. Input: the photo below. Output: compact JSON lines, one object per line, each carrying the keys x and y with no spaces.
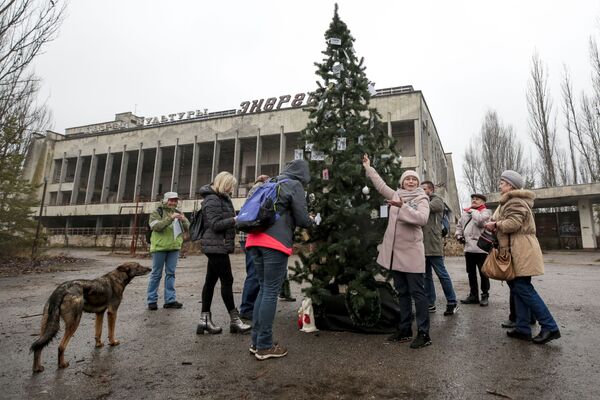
{"x":206,"y":325}
{"x":237,"y":325}
{"x":471,"y":299}
{"x":285,"y":294}
{"x":484,"y":300}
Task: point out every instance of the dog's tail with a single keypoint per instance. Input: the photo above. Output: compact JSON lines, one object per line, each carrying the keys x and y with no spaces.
{"x":50,"y":319}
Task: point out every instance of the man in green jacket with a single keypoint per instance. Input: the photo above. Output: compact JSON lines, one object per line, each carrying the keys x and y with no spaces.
{"x":167,"y":225}
{"x":434,"y":253}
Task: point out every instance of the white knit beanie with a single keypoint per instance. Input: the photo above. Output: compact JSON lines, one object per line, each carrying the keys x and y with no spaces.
{"x":409,"y":173}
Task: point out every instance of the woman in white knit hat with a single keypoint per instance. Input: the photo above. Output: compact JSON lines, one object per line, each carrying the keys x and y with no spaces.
{"x":515,"y":225}
{"x":403,"y":252}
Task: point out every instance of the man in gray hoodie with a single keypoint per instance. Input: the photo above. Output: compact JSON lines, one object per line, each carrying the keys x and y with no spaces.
{"x":270,"y":250}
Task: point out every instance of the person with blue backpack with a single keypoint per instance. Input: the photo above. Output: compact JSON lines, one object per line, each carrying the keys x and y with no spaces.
{"x":251,"y":286}
{"x":271,"y":245}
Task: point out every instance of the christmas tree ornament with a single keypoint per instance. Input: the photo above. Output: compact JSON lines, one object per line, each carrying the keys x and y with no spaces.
{"x":341,"y":144}
{"x":318,"y":219}
{"x":325,"y":174}
{"x":335,"y":41}
{"x":316,"y":155}
{"x":337,"y":68}
{"x":365,"y":190}
{"x":298,"y":154}
{"x":308,"y":146}
{"x":371,"y":89}
{"x":311,"y":197}
{"x":361,"y":139}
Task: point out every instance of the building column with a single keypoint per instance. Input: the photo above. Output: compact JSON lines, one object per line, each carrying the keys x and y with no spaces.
{"x":176,"y":162}
{"x":122,"y":174}
{"x":107,"y":174}
{"x":257,"y":162}
{"x":157,"y":168}
{"x":586,"y":220}
{"x":417,"y":125}
{"x":216,"y":156}
{"x":389,"y":124}
{"x":89,"y":192}
{"x":76,"y":179}
{"x":236,"y":161}
{"x":138,"y":172}
{"x":282,"y":146}
{"x":61,"y":179}
{"x":194,"y":172}
{"x":98,"y":225}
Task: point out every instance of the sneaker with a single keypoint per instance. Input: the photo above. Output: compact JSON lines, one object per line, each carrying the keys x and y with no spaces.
{"x":432,"y":308}
{"x":451,"y":309}
{"x":400,"y":337}
{"x":471,"y":299}
{"x":420,"y":341}
{"x":152,"y":306}
{"x":275,"y":351}
{"x":173,"y":304}
{"x":252,"y":349}
{"x":508,"y":324}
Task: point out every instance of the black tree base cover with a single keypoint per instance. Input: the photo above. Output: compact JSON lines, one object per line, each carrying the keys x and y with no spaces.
{"x":333,"y":313}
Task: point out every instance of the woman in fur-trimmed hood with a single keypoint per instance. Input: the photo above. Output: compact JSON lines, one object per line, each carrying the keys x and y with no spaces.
{"x":515,"y":225}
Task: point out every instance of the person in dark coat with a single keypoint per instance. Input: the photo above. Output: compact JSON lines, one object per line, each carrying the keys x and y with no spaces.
{"x":218,"y":241}
{"x":270,"y":250}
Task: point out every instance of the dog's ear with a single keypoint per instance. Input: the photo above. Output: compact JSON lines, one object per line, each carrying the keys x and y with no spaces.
{"x":124,"y":267}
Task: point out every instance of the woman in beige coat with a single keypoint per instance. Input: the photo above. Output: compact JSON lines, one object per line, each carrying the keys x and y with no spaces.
{"x":515,"y":225}
{"x":402,"y":251}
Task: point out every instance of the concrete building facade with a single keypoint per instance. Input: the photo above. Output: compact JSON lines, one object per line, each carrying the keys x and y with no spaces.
{"x":100,"y":175}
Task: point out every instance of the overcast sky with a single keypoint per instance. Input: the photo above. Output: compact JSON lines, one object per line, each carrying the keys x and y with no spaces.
{"x":160,"y":57}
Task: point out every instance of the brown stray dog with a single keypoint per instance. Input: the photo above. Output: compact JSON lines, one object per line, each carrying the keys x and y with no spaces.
{"x":71,"y":298}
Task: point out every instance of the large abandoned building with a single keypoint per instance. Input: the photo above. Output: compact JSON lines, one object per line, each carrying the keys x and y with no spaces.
{"x":104,"y":179}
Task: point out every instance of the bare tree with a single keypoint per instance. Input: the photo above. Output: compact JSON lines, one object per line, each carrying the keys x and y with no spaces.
{"x":495,"y":149}
{"x":571,"y":124}
{"x":543,"y":135}
{"x":25,"y":27}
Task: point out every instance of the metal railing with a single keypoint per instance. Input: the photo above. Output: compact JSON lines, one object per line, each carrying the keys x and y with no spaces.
{"x":89,"y":231}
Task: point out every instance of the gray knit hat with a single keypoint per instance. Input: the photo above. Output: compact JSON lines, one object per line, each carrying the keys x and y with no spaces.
{"x":513,"y":178}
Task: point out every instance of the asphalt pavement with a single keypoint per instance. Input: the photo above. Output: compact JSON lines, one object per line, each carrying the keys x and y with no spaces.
{"x":161,"y":357}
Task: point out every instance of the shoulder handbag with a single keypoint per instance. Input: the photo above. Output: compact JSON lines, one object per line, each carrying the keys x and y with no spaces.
{"x":498,"y":264}
{"x":487,"y":241}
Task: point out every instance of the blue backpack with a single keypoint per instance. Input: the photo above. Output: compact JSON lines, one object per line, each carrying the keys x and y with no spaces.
{"x":260,"y":209}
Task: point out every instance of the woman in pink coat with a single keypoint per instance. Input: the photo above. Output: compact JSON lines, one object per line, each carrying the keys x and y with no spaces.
{"x":402,"y":251}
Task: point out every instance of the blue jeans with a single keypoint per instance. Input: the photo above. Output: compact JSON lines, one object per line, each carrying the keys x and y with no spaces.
{"x":527,"y":302}
{"x":160,"y":259}
{"x":251,"y":286}
{"x":271,"y":268}
{"x":436,"y":263}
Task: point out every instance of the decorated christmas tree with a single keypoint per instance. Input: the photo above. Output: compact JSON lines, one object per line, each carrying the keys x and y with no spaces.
{"x":340,"y":251}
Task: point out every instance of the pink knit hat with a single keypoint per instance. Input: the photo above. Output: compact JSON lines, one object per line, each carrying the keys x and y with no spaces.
{"x":409,"y":173}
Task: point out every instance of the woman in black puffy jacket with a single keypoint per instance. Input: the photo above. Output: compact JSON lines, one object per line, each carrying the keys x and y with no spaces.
{"x":218,"y":241}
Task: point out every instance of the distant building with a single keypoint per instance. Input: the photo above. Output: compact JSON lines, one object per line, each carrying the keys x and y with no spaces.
{"x":97,"y":172}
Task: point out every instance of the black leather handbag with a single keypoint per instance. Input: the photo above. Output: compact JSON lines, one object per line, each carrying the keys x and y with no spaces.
{"x":487,"y":241}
